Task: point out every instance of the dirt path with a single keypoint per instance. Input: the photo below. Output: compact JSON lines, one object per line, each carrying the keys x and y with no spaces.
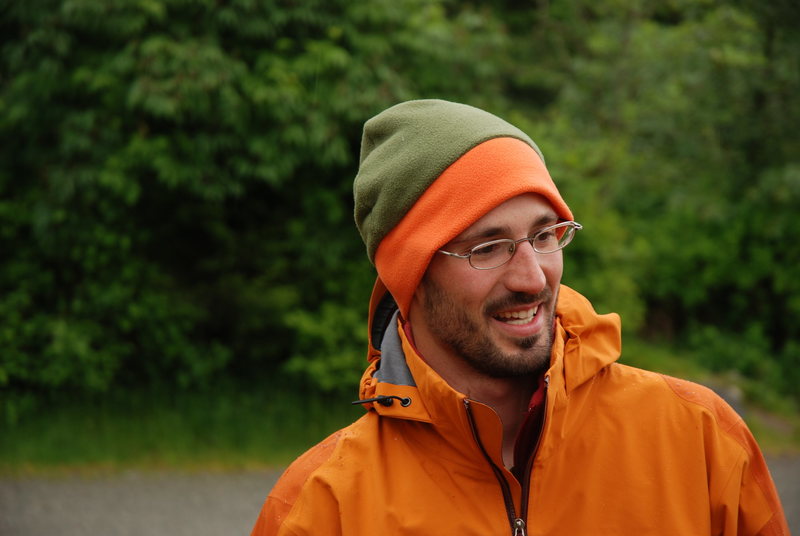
{"x":178,"y":504}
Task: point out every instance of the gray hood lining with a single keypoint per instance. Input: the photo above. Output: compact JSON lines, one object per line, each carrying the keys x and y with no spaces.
{"x":393,"y":367}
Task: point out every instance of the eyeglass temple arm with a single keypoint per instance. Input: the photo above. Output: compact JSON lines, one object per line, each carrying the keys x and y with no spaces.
{"x":454,"y":254}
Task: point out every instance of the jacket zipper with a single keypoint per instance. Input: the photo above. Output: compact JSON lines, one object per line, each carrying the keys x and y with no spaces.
{"x":518,"y":524}
{"x":526,"y":483}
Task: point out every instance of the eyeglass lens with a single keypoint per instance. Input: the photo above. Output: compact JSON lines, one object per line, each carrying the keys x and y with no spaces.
{"x":498,"y":252}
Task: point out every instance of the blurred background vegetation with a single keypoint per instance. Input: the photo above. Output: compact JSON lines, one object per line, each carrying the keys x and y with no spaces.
{"x":177,"y":251}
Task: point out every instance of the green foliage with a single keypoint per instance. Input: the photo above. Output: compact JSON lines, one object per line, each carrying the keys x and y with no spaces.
{"x":175,"y":182}
{"x":175,"y":177}
{"x":672,"y":133}
{"x":336,"y":333}
{"x":231,"y":426}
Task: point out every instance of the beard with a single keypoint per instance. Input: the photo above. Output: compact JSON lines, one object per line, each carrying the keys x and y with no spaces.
{"x":470,"y":338}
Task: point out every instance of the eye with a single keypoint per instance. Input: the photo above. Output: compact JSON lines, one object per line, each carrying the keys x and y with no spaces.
{"x":483,"y":250}
{"x":490,"y":248}
{"x":546,"y":236}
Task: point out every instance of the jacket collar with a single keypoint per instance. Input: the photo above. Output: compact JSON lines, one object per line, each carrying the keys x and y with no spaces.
{"x":585,"y":343}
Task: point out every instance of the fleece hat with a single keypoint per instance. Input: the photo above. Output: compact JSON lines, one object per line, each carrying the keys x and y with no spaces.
{"x":428,"y":170}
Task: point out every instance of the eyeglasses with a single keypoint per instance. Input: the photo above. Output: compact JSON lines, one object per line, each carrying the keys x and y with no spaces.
{"x":498,"y":252}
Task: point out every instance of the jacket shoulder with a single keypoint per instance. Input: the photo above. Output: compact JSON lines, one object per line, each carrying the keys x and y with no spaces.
{"x":755,"y":483}
{"x":315,"y":475}
{"x":704,"y":397}
{"x":667,"y":391}
{"x":725,"y":419}
{"x":286,"y":491}
{"x":738,"y":476}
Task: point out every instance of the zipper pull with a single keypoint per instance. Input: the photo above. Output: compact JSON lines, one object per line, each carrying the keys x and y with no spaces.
{"x":519,"y":527}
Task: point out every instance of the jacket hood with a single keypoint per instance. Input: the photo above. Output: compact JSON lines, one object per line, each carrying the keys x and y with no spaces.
{"x":584,"y":344}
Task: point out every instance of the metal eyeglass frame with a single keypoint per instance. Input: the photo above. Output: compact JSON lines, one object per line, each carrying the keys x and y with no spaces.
{"x":575,"y":226}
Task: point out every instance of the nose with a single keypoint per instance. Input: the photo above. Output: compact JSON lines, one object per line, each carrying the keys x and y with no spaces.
{"x":524,"y":271}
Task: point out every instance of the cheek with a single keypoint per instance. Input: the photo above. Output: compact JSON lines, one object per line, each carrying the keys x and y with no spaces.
{"x":553,"y":268}
{"x":554,"y":276}
{"x":463,"y":284}
{"x":473,"y":290}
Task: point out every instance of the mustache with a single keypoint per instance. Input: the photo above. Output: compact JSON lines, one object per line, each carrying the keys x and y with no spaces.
{"x":517,"y":298}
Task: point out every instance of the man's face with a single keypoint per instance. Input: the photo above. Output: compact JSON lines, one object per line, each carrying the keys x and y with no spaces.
{"x":499,"y":321}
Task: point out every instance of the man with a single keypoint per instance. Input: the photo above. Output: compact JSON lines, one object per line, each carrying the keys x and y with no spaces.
{"x":494,"y":401}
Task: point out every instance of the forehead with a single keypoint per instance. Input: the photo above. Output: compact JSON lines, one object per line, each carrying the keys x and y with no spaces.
{"x":518,"y":214}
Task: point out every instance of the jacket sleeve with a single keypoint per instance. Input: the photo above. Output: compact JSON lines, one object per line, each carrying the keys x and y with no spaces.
{"x":743,"y":498}
{"x":271,"y":517}
{"x":287,"y":491}
{"x":754,"y":508}
{"x":751,"y":505}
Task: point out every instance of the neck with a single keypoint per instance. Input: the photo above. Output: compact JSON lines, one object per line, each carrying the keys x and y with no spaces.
{"x":508,"y":397}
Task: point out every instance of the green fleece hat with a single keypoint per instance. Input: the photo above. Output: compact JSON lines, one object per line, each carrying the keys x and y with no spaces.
{"x":405,"y":148}
{"x":429,"y":169}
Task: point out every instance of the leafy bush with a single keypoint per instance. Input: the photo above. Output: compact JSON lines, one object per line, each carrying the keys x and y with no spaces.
{"x":175,"y":177}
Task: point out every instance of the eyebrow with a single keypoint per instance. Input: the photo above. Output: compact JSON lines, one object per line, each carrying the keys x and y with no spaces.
{"x":492,"y":232}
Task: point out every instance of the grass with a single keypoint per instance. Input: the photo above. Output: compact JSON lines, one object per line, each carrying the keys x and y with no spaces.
{"x":268,"y":424}
{"x":227,"y":428}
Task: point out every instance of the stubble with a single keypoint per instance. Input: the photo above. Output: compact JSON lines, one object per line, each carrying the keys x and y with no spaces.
{"x":469,"y":337}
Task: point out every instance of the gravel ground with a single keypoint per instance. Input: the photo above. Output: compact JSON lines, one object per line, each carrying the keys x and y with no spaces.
{"x":786,"y":473}
{"x":134,"y":504}
{"x":182,"y":504}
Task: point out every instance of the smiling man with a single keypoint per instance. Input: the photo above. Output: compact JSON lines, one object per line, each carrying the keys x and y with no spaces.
{"x":495,"y":403}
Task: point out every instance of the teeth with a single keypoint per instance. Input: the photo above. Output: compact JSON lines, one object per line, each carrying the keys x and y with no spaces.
{"x":518,"y":317}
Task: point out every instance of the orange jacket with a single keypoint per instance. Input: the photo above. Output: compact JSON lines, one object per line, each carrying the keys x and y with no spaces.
{"x":622,"y":451}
